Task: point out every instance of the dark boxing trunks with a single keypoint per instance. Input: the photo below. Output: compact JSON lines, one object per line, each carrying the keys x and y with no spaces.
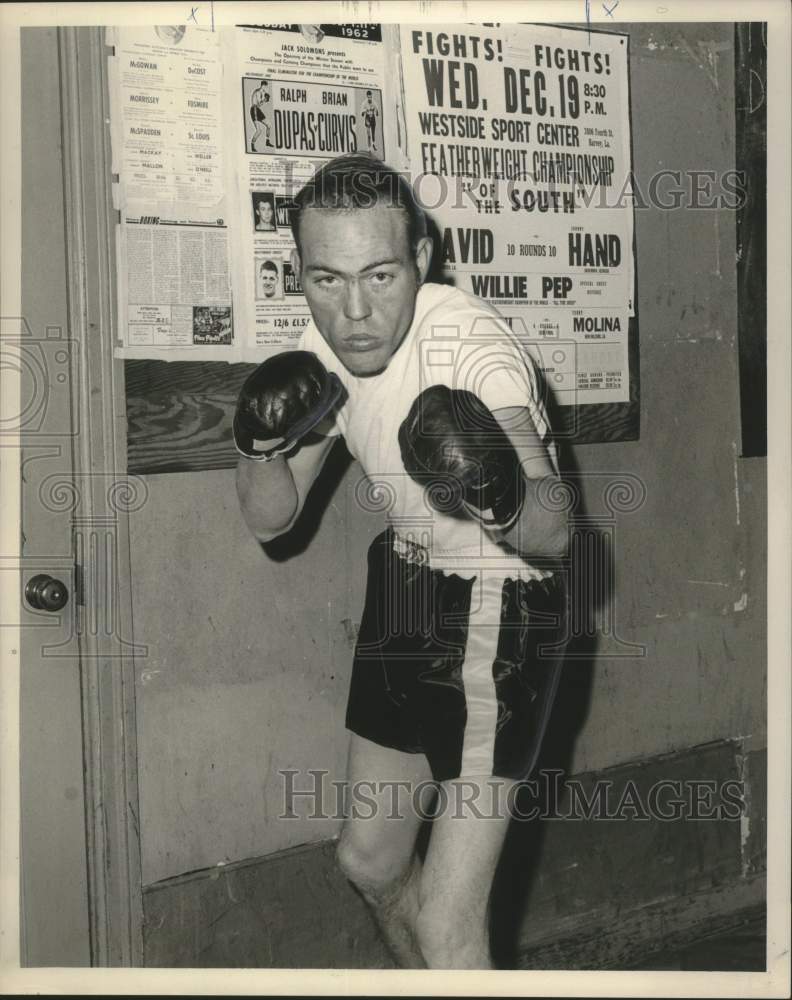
{"x":464,"y":671}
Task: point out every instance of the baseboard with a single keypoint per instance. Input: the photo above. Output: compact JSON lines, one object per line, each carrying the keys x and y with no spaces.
{"x":293,"y":909}
{"x":602,"y":893}
{"x":569,"y":893}
{"x":616,"y":939}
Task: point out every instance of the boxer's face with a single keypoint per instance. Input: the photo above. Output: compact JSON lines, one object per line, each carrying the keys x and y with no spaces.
{"x":269,"y":282}
{"x":265,"y":212}
{"x":361,"y":279}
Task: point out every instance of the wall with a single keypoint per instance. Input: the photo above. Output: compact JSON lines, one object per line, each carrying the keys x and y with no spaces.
{"x":248,"y":657}
{"x":246,"y":667}
{"x":690,"y":562}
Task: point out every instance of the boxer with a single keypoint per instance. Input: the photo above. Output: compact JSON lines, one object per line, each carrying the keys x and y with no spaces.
{"x":459,"y":649}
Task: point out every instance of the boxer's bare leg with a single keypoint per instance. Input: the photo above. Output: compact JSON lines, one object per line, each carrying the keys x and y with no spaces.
{"x":377,"y":854}
{"x":453,"y":918}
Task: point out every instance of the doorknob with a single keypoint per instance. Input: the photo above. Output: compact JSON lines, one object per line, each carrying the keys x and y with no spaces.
{"x":45,"y":593}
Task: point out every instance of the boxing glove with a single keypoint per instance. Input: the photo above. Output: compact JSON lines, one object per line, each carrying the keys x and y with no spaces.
{"x":281,"y":401}
{"x":453,"y":446}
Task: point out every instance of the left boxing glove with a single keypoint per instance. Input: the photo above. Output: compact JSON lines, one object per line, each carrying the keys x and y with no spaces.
{"x":281,"y":401}
{"x":453,"y":446}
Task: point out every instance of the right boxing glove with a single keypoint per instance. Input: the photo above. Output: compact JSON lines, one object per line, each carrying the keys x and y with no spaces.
{"x":281,"y":401}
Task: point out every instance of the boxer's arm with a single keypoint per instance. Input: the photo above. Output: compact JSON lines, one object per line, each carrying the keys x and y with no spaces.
{"x":271,"y":494}
{"x":538,"y":531}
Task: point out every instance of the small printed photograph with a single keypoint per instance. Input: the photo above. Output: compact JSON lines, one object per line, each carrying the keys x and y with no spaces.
{"x":269,"y":279}
{"x":291,"y":279}
{"x":264,"y":219}
{"x":284,"y":206}
{"x":369,"y":121}
{"x":212,"y":325}
{"x":257,"y":102}
{"x":313,"y":33}
{"x":170,"y":33}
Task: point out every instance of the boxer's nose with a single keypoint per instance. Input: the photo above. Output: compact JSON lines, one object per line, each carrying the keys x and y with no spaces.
{"x":356,"y":304}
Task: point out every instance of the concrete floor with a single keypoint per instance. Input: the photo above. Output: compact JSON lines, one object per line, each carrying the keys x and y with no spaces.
{"x":741,"y":949}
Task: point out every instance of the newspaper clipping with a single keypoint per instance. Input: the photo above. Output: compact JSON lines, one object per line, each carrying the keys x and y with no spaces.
{"x":175,"y":297}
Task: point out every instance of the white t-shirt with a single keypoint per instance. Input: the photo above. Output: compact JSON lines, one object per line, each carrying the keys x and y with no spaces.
{"x":461,"y":342}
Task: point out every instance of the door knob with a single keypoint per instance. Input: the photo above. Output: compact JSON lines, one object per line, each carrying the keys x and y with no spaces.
{"x":45,"y":593}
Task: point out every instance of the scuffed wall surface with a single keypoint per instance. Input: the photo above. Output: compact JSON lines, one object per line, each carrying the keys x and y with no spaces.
{"x":248,"y":658}
{"x":246,"y":671}
{"x":689,"y":562}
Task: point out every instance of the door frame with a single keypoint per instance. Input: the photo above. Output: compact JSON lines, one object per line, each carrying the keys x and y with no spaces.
{"x":106,"y":495}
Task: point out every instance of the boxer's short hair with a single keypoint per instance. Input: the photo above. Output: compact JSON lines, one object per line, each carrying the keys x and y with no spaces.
{"x":357,"y":180}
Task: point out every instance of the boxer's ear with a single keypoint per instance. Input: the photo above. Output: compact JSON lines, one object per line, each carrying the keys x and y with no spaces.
{"x":423,"y":257}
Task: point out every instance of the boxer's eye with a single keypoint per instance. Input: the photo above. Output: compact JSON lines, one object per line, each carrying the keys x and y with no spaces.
{"x":381,"y":278}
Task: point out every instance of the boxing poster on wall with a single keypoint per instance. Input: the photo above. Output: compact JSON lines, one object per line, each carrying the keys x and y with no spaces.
{"x":296,"y":96}
{"x":518,"y":141}
{"x":167,"y":125}
{"x":213,"y":133}
{"x":173,"y":239}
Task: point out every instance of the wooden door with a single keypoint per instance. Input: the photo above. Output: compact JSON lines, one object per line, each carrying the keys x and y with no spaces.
{"x":80,"y":873}
{"x":54,"y":878}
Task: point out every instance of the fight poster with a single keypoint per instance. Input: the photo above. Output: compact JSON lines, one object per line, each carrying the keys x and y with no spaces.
{"x":518,"y":141}
{"x":296,"y":96}
{"x":169,"y":154}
